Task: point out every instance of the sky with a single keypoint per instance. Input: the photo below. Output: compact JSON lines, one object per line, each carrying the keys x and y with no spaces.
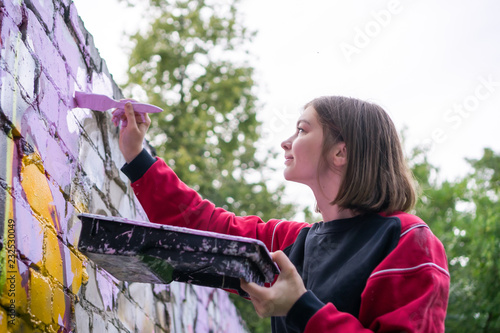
{"x":433,"y":65}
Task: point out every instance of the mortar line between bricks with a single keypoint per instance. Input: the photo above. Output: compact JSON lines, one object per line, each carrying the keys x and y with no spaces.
{"x":56,"y":135}
{"x":109,"y":165}
{"x":16,"y":70}
{"x":33,"y":9}
{"x":88,"y":306}
{"x":138,"y":306}
{"x":15,"y":77}
{"x":86,"y":56}
{"x":87,"y":137}
{"x":105,"y":198}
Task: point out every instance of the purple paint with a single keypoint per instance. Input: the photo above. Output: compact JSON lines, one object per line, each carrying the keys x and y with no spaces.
{"x":29,"y":233}
{"x":67,"y":47}
{"x":68,"y":273}
{"x":74,"y":22}
{"x":107,"y":289}
{"x":48,"y":98}
{"x":44,"y":10}
{"x":12,"y":9}
{"x":43,"y":48}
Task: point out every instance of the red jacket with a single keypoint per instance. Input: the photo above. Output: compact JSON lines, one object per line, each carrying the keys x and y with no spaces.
{"x":406,"y":291}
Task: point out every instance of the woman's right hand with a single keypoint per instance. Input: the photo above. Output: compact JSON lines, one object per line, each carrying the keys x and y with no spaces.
{"x":132,"y":135}
{"x":278,"y":299}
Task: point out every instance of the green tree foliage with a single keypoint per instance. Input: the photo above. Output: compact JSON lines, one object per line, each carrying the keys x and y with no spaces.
{"x":184,"y":63}
{"x":464,"y":214}
{"x":209,"y":130}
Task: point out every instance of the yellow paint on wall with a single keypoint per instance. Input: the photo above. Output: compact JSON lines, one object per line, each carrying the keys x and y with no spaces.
{"x":21,"y":326}
{"x":58,"y":305}
{"x":52,"y":260}
{"x":13,"y":291}
{"x":78,"y":272}
{"x":41,"y":297}
{"x":37,"y":191}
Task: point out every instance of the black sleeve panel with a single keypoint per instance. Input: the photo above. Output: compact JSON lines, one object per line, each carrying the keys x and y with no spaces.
{"x":300,"y":313}
{"x":138,"y":166}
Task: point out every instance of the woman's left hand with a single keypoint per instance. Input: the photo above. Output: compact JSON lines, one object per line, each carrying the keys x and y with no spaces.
{"x":279,"y":298}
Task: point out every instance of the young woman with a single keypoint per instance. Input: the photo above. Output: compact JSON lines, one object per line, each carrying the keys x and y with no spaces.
{"x":368,"y":267}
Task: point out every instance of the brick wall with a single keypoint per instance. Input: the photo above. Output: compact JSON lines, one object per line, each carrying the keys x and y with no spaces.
{"x":57,"y":161}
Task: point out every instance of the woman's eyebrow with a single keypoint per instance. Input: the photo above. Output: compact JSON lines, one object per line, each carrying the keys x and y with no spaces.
{"x":303,"y":121}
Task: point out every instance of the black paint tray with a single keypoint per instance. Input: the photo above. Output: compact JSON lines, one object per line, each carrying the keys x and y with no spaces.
{"x":137,"y":251}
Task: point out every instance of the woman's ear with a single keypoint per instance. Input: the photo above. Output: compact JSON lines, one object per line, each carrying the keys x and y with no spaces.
{"x":339,"y":154}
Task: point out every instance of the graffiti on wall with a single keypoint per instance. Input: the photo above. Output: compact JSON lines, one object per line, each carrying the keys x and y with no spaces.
{"x":41,"y":272}
{"x":57,"y":160}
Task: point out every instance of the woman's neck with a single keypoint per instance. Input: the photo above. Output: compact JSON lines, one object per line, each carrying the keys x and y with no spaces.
{"x":325,"y":194}
{"x":331,"y":212}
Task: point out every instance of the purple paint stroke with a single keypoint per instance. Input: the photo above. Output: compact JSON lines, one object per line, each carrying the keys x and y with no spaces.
{"x":25,"y":275}
{"x":127,"y":233}
{"x":29,"y":234}
{"x":98,"y":102}
{"x":11,"y":9}
{"x":68,"y":272}
{"x":203,"y":324}
{"x":68,"y":48}
{"x":74,"y":23}
{"x":44,"y":10}
{"x":47,"y":54}
{"x":107,"y":289}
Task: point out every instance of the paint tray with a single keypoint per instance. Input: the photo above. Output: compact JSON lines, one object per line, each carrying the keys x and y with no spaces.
{"x":138,"y":251}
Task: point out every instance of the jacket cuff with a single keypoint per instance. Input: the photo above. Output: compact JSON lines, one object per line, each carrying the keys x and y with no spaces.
{"x":138,"y":166}
{"x":300,"y":313}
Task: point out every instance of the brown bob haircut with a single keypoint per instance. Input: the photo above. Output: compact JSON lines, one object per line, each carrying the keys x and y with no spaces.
{"x":377,"y":178}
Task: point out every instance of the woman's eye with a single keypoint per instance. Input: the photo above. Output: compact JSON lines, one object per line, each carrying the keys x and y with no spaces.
{"x":300,"y":130}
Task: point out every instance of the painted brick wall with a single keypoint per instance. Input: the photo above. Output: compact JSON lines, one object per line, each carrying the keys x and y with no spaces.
{"x":57,"y":161}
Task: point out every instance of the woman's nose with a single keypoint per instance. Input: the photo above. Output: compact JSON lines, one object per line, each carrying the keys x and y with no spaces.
{"x":286,"y":144}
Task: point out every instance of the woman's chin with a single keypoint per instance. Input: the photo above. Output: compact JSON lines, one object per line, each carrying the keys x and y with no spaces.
{"x":291,"y":178}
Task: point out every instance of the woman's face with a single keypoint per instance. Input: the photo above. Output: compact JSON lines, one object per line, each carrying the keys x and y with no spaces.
{"x":303,"y":149}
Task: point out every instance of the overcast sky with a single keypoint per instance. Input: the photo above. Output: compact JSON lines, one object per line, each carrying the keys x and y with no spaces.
{"x":433,"y":65}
